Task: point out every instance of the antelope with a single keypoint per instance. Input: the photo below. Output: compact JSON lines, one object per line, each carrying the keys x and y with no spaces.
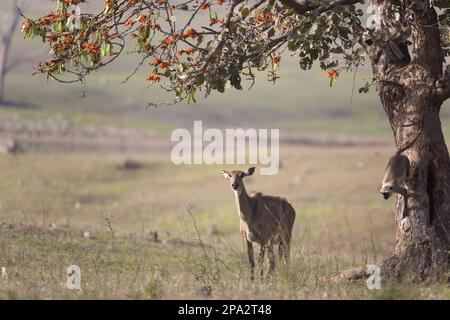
{"x":265,"y":220}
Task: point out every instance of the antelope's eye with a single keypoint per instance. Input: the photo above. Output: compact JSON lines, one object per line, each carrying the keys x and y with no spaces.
{"x":390,"y":188}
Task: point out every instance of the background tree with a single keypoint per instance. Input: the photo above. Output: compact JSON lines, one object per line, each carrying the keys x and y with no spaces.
{"x":8,"y":28}
{"x":197,"y":46}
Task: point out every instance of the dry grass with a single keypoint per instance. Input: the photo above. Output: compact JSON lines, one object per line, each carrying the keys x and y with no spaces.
{"x":341,"y":222}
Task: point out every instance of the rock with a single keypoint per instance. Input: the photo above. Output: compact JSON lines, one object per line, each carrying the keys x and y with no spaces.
{"x":10,"y":146}
{"x":154,"y":236}
{"x":214,"y":230}
{"x":51,"y":227}
{"x":204,"y":291}
{"x":129,"y":164}
{"x":3,"y":274}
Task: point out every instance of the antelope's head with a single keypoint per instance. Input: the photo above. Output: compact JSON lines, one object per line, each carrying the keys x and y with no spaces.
{"x":236,"y":178}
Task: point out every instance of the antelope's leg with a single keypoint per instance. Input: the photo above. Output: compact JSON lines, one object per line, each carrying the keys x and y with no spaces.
{"x":284,"y":246}
{"x":287,"y":247}
{"x":287,"y":252}
{"x":251,"y":259}
{"x":261,"y":261}
{"x":271,"y":259}
{"x":281,"y":250}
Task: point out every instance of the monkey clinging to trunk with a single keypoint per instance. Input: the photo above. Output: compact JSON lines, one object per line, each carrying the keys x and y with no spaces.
{"x":397,"y":170}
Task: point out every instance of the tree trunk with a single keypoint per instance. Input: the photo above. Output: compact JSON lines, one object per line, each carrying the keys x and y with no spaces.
{"x":407,"y":89}
{"x":422,"y":240}
{"x":3,"y":54}
{"x":6,"y":35}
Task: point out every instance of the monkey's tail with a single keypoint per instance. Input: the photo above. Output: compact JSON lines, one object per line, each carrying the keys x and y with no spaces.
{"x":410,"y":144}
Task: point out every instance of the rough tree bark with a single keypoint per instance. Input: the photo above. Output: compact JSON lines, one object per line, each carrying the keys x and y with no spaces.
{"x":407,"y":89}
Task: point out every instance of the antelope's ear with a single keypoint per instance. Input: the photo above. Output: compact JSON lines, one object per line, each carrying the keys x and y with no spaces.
{"x":250,"y":171}
{"x":225,"y":174}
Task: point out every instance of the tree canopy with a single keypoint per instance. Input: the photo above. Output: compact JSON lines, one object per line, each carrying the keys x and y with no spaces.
{"x":197,"y":46}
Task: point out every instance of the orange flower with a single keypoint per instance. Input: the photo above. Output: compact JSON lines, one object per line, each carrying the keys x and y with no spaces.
{"x":261,"y":18}
{"x":220,"y":2}
{"x":133,"y":1}
{"x":276,"y":60}
{"x":205,"y":6}
{"x":154,"y":77}
{"x":141,"y":17}
{"x":189,"y":33}
{"x":190,"y":50}
{"x":180,"y":52}
{"x":26,"y":25}
{"x":155,"y":61}
{"x":332,"y":73}
{"x":91,"y":47}
{"x":108,"y":4}
{"x":222,"y":20}
{"x":162,"y":65}
{"x":168,"y":41}
{"x":129,"y":22}
{"x":69,"y":39}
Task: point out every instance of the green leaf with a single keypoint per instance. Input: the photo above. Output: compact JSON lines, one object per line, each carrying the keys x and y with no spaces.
{"x":332,"y":81}
{"x":245,"y":12}
{"x":200,"y":80}
{"x":105,"y":49}
{"x":191,"y":96}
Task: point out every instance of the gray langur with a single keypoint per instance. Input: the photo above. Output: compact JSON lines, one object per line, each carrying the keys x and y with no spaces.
{"x":397,"y":170}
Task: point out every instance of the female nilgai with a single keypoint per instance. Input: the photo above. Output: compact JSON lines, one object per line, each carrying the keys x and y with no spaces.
{"x":266,"y":220}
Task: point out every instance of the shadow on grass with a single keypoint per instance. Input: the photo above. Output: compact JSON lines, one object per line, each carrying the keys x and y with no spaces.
{"x":17,"y":105}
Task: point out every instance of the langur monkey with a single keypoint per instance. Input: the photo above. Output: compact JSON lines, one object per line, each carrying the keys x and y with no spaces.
{"x":397,"y":171}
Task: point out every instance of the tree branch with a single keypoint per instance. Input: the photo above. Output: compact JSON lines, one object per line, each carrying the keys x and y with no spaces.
{"x":225,"y":27}
{"x":26,"y":58}
{"x":304,"y":6}
{"x":426,"y":36}
{"x":10,"y":28}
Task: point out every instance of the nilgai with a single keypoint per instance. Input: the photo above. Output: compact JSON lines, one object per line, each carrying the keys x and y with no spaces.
{"x":266,"y":220}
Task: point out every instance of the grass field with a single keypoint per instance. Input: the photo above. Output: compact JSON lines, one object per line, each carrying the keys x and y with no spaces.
{"x":48,"y":202}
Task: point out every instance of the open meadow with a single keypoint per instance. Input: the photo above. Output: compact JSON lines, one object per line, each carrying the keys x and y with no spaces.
{"x":166,"y":231}
{"x":161,"y":231}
